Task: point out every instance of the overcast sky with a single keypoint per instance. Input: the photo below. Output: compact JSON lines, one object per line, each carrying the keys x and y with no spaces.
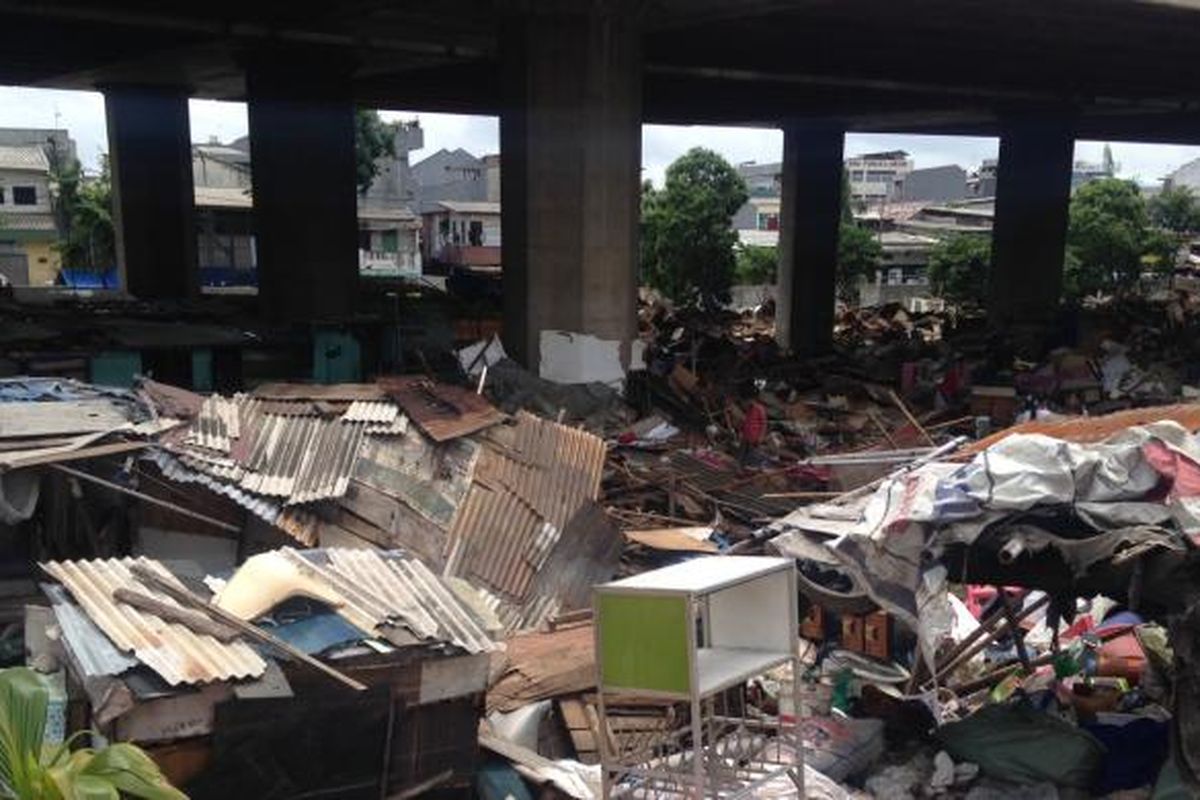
{"x":82,"y":113}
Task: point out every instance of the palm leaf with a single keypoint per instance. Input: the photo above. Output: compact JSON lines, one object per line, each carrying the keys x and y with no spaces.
{"x":129,"y":769}
{"x":24,"y":700}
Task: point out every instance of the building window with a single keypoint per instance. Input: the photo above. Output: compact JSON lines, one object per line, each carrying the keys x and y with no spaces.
{"x":24,"y":196}
{"x":768,"y":221}
{"x":389,"y":242}
{"x":475,"y":233}
{"x":1,"y":195}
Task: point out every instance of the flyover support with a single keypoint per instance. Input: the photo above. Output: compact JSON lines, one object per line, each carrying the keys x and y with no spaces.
{"x":570,"y":135}
{"x":810,"y":216}
{"x":1033,"y":196}
{"x":305,"y":204}
{"x":150,"y":159}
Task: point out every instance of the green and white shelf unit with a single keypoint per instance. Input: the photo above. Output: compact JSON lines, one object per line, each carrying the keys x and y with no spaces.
{"x":686,"y":638}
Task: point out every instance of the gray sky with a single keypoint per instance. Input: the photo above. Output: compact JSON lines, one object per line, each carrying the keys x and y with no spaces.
{"x":83,"y":114}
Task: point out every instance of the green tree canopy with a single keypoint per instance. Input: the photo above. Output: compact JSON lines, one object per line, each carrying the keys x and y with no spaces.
{"x":1175,"y":209}
{"x":756,"y":265}
{"x":959,"y":267}
{"x":83,"y":208}
{"x":1108,"y":236}
{"x":373,"y":139}
{"x":687,"y":248}
{"x":859,"y":252}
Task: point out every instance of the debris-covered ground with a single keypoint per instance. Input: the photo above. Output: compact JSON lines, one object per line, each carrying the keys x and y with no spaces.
{"x":995,"y":551}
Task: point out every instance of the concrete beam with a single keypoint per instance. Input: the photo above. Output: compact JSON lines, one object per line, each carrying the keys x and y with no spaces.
{"x":570,"y":135}
{"x":810,"y":216}
{"x":1033,"y":196}
{"x":305,"y":203}
{"x":150,"y":157}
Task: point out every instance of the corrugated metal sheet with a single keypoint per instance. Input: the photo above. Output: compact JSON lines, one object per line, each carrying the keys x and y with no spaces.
{"x":380,"y":413}
{"x":551,"y":467}
{"x":95,"y":652}
{"x":1085,"y":430}
{"x":302,"y":459}
{"x":442,"y":411}
{"x":175,"y":652}
{"x":217,"y":424}
{"x":512,"y":521}
{"x":390,"y":588}
{"x":397,"y":427}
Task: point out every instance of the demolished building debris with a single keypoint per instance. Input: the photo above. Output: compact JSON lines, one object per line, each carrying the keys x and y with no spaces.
{"x":959,"y":575}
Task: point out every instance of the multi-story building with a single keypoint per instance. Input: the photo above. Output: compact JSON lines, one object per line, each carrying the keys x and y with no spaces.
{"x":878,"y":177}
{"x":389,"y":229}
{"x":29,"y":231}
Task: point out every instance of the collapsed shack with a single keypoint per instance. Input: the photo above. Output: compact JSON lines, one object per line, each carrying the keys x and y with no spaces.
{"x":224,"y":717}
{"x":900,"y":530}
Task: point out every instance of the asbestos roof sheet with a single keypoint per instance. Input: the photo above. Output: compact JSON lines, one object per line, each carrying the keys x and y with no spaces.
{"x":380,"y":413}
{"x":442,"y":411}
{"x":174,"y":651}
{"x":216,"y":425}
{"x":382,"y":589}
{"x":302,"y":459}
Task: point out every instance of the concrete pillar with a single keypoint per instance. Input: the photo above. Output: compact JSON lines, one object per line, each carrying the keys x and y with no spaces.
{"x":150,"y":157}
{"x":570,"y":141}
{"x":305,"y":196}
{"x":810,"y":215}
{"x":1033,"y":196}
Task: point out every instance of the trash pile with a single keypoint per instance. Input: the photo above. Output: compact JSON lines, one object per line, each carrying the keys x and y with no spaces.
{"x":986,"y":609}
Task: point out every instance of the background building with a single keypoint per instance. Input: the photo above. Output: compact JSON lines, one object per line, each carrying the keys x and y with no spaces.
{"x":28,"y":228}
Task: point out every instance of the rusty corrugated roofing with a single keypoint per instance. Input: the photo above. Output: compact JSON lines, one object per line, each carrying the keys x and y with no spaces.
{"x":523,"y":496}
{"x":1085,"y":430}
{"x":344,"y":392}
{"x":442,"y":411}
{"x":175,"y":652}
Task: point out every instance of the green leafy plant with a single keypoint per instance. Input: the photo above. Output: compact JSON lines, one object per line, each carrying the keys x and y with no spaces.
{"x":32,"y":770}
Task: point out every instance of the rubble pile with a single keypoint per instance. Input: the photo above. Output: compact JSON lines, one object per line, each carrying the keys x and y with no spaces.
{"x":994,"y":559}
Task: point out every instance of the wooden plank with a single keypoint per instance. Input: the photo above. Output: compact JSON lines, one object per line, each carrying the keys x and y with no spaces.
{"x":573,"y":714}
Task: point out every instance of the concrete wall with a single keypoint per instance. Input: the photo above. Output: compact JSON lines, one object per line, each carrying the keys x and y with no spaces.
{"x":450,"y":175}
{"x":44,"y":262}
{"x":217,"y":174}
{"x":40,"y":182}
{"x":935,"y":184}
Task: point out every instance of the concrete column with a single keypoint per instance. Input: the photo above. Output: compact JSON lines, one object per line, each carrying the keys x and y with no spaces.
{"x":150,"y":157}
{"x":1033,"y":196}
{"x":305,"y":198}
{"x":810,"y":215}
{"x":570,"y":140}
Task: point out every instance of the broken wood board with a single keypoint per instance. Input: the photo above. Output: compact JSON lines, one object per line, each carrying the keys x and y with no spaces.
{"x":683,"y":540}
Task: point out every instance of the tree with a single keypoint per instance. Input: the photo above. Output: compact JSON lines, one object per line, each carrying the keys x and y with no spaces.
{"x":373,"y":139}
{"x":1175,"y":209}
{"x":756,"y":265}
{"x":858,"y":257}
{"x":83,"y":207}
{"x":1108,"y":235}
{"x":687,"y":248}
{"x":858,"y":249}
{"x":32,"y":770}
{"x":959,"y":266}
